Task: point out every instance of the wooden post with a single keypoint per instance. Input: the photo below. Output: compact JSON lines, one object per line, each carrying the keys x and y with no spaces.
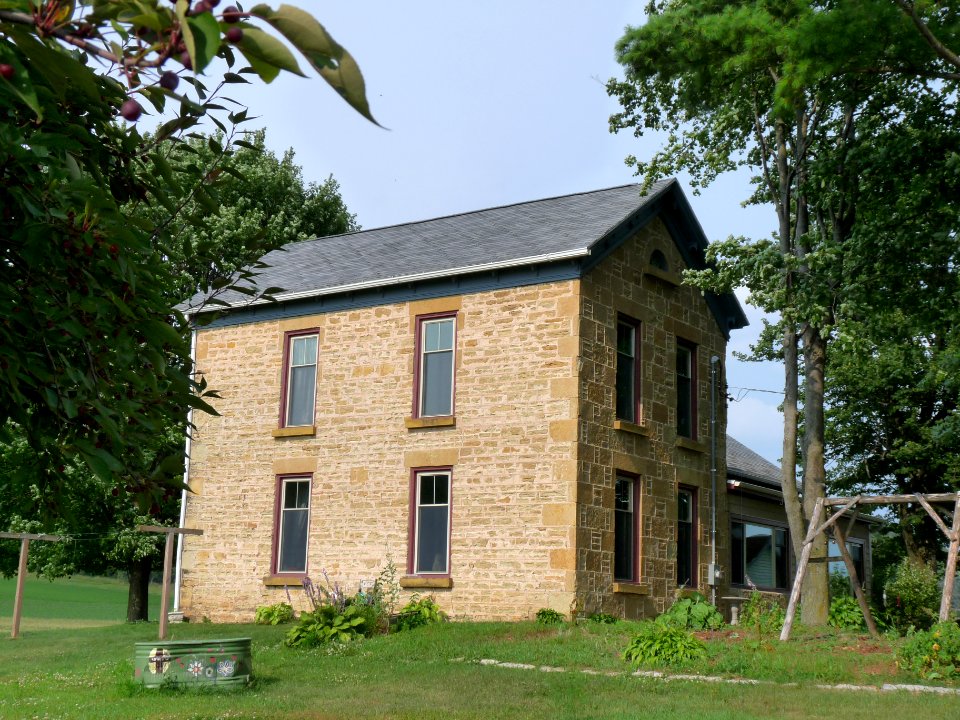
{"x":951,"y":571}
{"x":24,"y":539}
{"x":812,"y":531}
{"x":852,"y":571}
{"x":167,"y":562}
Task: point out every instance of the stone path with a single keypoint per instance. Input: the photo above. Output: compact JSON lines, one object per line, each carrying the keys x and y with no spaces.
{"x":668,"y":677}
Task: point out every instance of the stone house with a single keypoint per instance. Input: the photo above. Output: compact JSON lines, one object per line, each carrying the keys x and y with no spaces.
{"x":513,"y":405}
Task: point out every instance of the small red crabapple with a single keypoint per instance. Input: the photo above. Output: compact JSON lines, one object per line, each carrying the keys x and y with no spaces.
{"x":130,"y":110}
{"x":234,"y":35}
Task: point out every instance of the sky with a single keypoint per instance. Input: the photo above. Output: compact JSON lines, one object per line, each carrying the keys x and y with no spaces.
{"x":491,"y":103}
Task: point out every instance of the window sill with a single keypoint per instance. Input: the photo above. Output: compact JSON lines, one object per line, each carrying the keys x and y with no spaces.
{"x":632,"y":428}
{"x":284,"y":580}
{"x":688,"y":444}
{"x":665,"y":276}
{"x":413,"y":423}
{"x":631,"y":588}
{"x":416,"y":581}
{"x":300,"y":431}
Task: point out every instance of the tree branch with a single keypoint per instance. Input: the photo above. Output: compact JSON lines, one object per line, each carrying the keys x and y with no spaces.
{"x":942,"y":51}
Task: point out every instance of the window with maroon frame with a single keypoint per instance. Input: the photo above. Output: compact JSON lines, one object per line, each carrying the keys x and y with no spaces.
{"x":430,"y":521}
{"x":686,"y":385}
{"x":292,"y":525}
{"x":625,"y":529}
{"x":433,"y":386}
{"x":628,"y":370}
{"x":686,"y":537}
{"x":300,"y":379}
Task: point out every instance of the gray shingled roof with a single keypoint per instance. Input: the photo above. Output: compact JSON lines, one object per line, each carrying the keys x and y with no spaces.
{"x":501,"y":237}
{"x":742,"y":462}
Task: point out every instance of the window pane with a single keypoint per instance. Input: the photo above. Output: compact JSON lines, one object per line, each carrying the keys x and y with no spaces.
{"x":684,"y":392}
{"x":781,"y":559}
{"x":438,"y":335}
{"x":305,"y":351}
{"x":626,"y":393}
{"x":624,"y":564}
{"x":684,"y":506}
{"x":432,"y":539}
{"x":437,"y":390}
{"x":296,"y":494}
{"x":440,"y":489}
{"x":426,"y":490}
{"x":301,"y":398}
{"x":736,"y":553}
{"x":759,"y":555}
{"x":293,"y":541}
{"x":685,"y":539}
{"x":626,"y":339}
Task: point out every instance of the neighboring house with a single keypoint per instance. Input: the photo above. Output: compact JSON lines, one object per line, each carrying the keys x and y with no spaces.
{"x":513,"y":405}
{"x":761,"y":553}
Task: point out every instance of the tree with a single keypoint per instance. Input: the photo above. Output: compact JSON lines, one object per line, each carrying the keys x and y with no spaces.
{"x":84,"y":286}
{"x":796,"y":92}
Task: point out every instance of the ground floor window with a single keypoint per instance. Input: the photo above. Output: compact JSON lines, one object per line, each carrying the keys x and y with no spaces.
{"x":292,"y":525}
{"x":430,"y":536}
{"x":686,"y":537}
{"x":856,"y":549}
{"x":625,"y":529}
{"x":758,"y":555}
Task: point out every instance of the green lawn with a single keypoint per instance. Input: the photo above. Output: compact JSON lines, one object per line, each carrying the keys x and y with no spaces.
{"x":75,"y":602}
{"x":435,"y":673}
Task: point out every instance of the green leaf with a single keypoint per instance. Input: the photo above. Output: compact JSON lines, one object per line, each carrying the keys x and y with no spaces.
{"x":206,"y":37}
{"x":328,"y":58}
{"x":267,"y":54}
{"x":20,"y":83}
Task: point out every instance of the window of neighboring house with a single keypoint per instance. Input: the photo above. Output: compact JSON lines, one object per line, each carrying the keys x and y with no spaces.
{"x":625,"y":529}
{"x":430,"y":546}
{"x":435,"y":364}
{"x":300,"y":379}
{"x":758,"y":555}
{"x":628,"y":370}
{"x":855,"y":549}
{"x":686,"y":383}
{"x":686,"y":537}
{"x":292,"y":525}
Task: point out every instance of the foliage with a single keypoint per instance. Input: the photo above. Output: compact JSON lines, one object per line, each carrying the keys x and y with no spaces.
{"x":693,"y":612}
{"x":845,"y":613}
{"x":548,"y":616}
{"x":275,"y":614}
{"x":92,"y":360}
{"x":932,"y":654}
{"x":839,"y":585}
{"x":763,"y":614}
{"x":660,"y":644}
{"x":912,"y":596}
{"x":603,"y":618}
{"x":330,"y":624}
{"x":418,"y":612}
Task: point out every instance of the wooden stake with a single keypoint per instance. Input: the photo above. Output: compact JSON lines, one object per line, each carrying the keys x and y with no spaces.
{"x":24,"y":539}
{"x":801,"y":569}
{"x":854,"y":580}
{"x":951,"y":572}
{"x":167,"y":563}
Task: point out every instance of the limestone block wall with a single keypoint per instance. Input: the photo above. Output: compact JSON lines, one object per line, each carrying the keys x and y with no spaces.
{"x":626,"y":283}
{"x":512,"y":452}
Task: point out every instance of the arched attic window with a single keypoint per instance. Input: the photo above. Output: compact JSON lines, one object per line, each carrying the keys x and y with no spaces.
{"x":659,"y":260}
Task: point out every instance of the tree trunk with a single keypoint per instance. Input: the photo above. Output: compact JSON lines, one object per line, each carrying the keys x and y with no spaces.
{"x":816,"y":597}
{"x":138,"y":595}
{"x":788,"y":464}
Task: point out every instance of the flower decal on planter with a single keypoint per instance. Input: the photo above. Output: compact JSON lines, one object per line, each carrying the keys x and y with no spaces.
{"x":226,"y":668}
{"x":158,"y":661}
{"x":195,"y":668}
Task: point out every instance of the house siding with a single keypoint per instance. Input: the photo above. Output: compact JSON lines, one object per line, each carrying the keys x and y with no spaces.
{"x":513,"y":454}
{"x":625,"y":283}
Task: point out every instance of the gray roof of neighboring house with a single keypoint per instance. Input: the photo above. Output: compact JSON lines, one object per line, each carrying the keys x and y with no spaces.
{"x":577,"y":229}
{"x":742,"y":462}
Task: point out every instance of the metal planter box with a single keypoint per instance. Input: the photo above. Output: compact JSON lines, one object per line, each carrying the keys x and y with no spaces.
{"x":201,"y":663}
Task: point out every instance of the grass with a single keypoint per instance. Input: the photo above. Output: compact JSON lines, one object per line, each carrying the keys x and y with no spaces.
{"x":87,"y":672}
{"x":74,"y":602}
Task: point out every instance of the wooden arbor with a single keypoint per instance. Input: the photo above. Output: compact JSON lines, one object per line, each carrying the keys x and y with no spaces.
{"x":850,"y":504}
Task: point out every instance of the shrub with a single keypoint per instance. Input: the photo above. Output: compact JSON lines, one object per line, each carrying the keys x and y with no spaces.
{"x":693,"y":613}
{"x":933,"y":653}
{"x":762,"y":613}
{"x":912,"y":596}
{"x":329,"y":624}
{"x":604,"y":618}
{"x":663,"y":644}
{"x":274,"y":614}
{"x":845,"y":614}
{"x":840,"y":585}
{"x":546,"y":616}
{"x":418,"y":612}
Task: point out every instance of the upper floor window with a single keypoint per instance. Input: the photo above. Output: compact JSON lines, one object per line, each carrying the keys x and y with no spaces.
{"x":628,"y":370}
{"x":625,"y":529}
{"x":686,"y":537}
{"x":686,"y":383}
{"x":292,"y":525}
{"x":659,"y":260}
{"x":758,"y":555}
{"x":430,"y":541}
{"x":300,"y":379}
{"x":435,"y":365}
